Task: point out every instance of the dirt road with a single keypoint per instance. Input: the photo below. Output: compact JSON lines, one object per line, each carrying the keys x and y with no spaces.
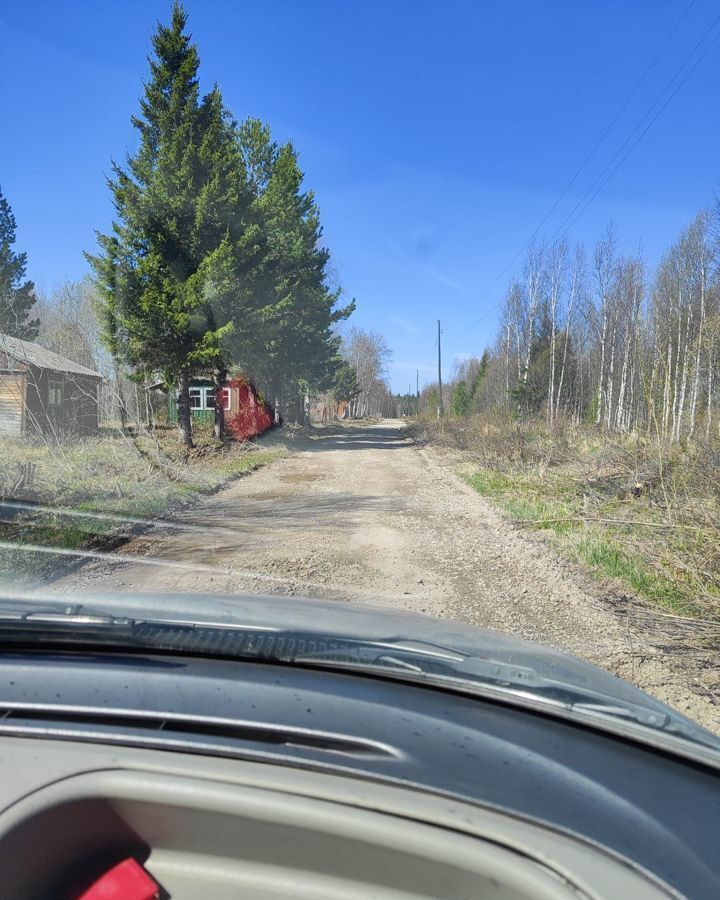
{"x":361,"y":513}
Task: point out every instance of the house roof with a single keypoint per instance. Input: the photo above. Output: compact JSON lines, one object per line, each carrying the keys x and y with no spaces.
{"x":35,"y":355}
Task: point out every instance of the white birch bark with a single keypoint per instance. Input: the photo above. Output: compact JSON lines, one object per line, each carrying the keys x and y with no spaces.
{"x":683,"y":379}
{"x":557,"y":267}
{"x":666,"y":391}
{"x":698,"y":351}
{"x":568,"y":326}
{"x":711,"y":368}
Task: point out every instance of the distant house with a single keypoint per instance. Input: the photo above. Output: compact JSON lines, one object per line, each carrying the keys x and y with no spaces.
{"x":246,"y":413}
{"x":329,"y":410}
{"x":43,"y":392}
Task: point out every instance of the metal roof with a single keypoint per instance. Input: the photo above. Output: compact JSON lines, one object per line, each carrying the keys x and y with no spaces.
{"x":35,"y":355}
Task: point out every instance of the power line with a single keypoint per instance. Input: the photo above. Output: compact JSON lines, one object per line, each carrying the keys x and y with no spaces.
{"x":594,"y":150}
{"x":617,"y":115}
{"x":440,"y":396}
{"x":604,"y":135}
{"x":572,"y":219}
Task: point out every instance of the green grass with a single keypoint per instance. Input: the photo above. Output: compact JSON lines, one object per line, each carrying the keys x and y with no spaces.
{"x":575,"y":485}
{"x":552,"y":502}
{"x":491,"y":483}
{"x":531,"y":501}
{"x":606,"y":557}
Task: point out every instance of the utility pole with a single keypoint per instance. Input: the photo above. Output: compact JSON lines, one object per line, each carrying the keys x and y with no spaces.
{"x":417,"y":392}
{"x":440,"y":399}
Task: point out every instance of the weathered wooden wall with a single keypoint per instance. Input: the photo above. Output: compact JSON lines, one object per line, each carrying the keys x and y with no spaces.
{"x":12,"y":402}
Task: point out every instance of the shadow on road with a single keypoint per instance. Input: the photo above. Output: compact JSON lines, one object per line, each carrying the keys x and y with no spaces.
{"x":280,"y":509}
{"x":355,"y":437}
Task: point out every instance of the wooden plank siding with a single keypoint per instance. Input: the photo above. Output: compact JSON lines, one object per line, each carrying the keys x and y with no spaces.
{"x":76,"y":408}
{"x":13,"y":386}
{"x":26,"y":407}
{"x":44,"y":393}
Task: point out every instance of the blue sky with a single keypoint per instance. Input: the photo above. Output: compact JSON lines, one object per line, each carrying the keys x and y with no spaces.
{"x":436,"y":135}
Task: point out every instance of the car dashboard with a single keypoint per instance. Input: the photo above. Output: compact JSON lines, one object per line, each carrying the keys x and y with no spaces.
{"x":224,"y":779}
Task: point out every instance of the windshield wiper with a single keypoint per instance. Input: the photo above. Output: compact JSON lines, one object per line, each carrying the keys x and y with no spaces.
{"x":478,"y":675}
{"x":532,"y":679}
{"x":412,"y":660}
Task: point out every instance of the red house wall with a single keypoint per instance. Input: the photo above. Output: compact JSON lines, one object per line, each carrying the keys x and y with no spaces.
{"x":247,"y":416}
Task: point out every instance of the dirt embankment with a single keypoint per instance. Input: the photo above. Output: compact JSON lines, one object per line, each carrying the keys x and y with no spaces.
{"x":362,"y":513}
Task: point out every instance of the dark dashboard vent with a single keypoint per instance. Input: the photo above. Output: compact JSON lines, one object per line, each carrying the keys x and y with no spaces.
{"x":127,"y":726}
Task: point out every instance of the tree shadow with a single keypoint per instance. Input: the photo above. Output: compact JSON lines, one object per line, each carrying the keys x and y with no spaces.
{"x":356,"y":438}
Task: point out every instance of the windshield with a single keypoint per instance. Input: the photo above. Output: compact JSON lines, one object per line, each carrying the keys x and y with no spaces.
{"x":413,"y":307}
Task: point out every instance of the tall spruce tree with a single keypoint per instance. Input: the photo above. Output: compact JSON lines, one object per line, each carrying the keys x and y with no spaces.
{"x":17,"y":295}
{"x":298,"y":349}
{"x":309,"y":345}
{"x":166,"y":271}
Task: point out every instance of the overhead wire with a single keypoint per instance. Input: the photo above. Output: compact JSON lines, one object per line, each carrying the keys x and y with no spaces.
{"x":571,"y":219}
{"x":602,"y":137}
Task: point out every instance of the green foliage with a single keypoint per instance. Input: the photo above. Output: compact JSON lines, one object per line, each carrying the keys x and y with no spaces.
{"x":490,"y":482}
{"x":297,"y":345}
{"x":461,"y":399}
{"x":530,"y":394}
{"x":479,"y":377}
{"x":346,"y":385}
{"x":608,"y":558}
{"x":591,"y":412}
{"x":17,"y":295}
{"x":153,"y":270}
{"x":215,"y":258}
{"x":180,"y":205}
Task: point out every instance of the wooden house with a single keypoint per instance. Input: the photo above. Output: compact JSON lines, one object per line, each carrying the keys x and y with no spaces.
{"x":328,"y":410}
{"x":43,"y":392}
{"x":246,"y":412}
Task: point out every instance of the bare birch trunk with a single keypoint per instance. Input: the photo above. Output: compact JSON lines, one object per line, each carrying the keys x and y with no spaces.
{"x":700,"y":338}
{"x":219,"y":379}
{"x":507,"y":365}
{"x":653,"y":377}
{"x":184,"y":414}
{"x":620,"y":411}
{"x":611,"y":377}
{"x":621,"y":414}
{"x":568,"y":323}
{"x":683,"y":380}
{"x":711,"y":366}
{"x":603,"y":338}
{"x":676,"y":374}
{"x":667,"y":392}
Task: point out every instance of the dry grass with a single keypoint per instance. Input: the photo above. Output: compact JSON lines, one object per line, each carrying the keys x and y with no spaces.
{"x":627,"y":508}
{"x":75,"y":494}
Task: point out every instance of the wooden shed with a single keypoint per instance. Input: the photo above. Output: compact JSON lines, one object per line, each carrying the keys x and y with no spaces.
{"x":43,"y":392}
{"x":246,"y":412}
{"x":328,"y":410}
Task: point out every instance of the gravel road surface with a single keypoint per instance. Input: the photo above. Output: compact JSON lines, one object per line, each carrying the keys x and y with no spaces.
{"x":361,"y":513}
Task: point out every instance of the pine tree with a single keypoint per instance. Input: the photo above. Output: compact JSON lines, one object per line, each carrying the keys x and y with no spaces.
{"x":167,"y":269}
{"x":17,"y":296}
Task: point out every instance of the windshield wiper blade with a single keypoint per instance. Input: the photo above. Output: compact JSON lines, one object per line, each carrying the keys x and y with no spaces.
{"x":414,"y":661}
{"x":479,"y":675}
